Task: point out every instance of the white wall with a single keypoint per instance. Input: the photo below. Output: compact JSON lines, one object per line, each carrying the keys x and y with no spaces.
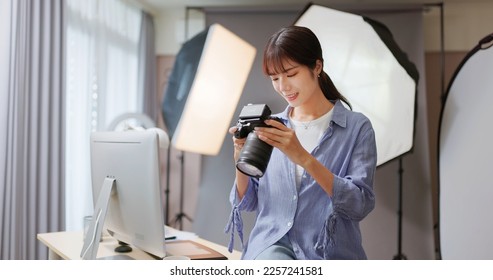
{"x":171,"y":29}
{"x":465,"y":23}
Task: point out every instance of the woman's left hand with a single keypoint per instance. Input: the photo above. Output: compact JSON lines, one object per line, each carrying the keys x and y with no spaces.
{"x":283,"y":138}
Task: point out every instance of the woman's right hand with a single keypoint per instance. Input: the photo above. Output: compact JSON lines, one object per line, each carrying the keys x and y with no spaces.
{"x":237,"y":143}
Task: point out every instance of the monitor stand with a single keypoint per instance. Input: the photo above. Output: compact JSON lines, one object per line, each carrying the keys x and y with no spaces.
{"x":91,"y":241}
{"x":123,"y":248}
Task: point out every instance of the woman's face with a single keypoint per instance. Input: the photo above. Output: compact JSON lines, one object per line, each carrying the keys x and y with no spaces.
{"x":297,"y":84}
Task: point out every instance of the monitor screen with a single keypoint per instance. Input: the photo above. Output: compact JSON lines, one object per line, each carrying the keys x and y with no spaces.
{"x":135,"y":208}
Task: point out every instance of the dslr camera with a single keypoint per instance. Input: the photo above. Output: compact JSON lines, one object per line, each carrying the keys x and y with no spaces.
{"x":255,"y":154}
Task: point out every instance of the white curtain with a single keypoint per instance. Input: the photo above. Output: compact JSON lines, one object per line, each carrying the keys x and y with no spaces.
{"x":102,"y":83}
{"x":151,"y":104}
{"x":31,"y":125}
{"x":5,"y":15}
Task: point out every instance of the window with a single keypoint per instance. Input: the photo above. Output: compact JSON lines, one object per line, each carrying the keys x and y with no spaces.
{"x":102,"y":83}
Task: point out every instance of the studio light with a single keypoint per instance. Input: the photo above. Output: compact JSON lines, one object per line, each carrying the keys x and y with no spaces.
{"x":371,"y":71}
{"x":205,"y":86}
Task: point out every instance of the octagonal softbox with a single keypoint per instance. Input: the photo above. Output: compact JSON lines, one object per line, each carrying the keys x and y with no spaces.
{"x":465,"y":158}
{"x":371,"y":71}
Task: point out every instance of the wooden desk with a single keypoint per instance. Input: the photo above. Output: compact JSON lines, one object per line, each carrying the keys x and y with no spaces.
{"x":68,"y":245}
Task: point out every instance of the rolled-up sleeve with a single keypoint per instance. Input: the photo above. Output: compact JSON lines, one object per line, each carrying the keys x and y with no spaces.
{"x":353,"y":196}
{"x":247,"y":203}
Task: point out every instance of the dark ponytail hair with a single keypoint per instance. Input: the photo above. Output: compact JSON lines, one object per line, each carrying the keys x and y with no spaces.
{"x":300,"y":45}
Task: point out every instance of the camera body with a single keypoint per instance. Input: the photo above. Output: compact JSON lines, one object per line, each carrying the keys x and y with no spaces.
{"x":255,"y":154}
{"x":251,"y":116}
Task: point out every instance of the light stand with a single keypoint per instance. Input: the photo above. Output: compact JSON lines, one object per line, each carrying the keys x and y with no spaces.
{"x":179,"y":217}
{"x":400,"y":255}
{"x":442,"y":99}
{"x":181,"y":214}
{"x":166,"y":191}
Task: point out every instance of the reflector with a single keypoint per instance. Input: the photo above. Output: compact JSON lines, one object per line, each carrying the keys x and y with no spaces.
{"x":465,"y":159}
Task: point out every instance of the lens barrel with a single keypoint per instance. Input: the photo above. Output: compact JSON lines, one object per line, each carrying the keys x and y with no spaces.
{"x":254,"y":156}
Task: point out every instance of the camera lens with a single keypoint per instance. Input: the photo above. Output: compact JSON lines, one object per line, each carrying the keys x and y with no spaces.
{"x":254,"y":156}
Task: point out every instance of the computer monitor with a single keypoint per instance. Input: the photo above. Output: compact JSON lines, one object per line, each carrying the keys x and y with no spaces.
{"x":126,"y":190}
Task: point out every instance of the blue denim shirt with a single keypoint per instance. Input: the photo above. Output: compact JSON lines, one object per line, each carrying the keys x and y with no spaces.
{"x":318,"y":226}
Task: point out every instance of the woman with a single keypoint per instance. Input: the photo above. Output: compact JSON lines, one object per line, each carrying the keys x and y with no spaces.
{"x":318,"y":185}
